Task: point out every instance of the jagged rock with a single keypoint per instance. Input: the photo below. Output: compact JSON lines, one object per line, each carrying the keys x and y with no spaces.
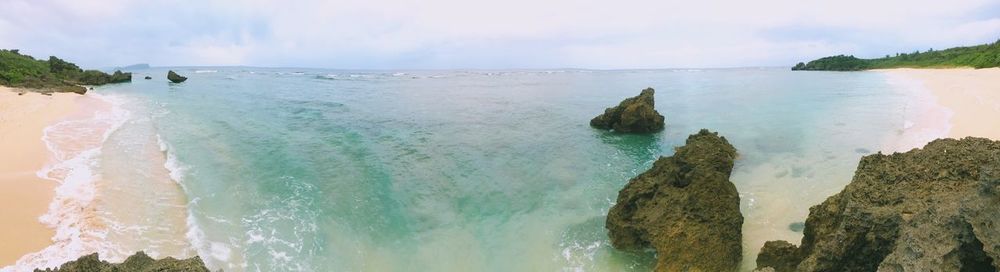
{"x":779,"y":256}
{"x":930,"y":209}
{"x":149,"y":77}
{"x":174,"y":77}
{"x":685,"y":208}
{"x":632,"y":115}
{"x":140,"y":262}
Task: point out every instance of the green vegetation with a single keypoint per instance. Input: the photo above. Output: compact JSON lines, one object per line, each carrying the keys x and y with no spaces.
{"x":54,"y":74}
{"x":979,"y":56}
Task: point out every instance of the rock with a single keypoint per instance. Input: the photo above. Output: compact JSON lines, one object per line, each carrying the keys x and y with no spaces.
{"x":94,"y":77}
{"x":632,"y":115}
{"x":140,"y":262}
{"x":74,"y":89}
{"x":149,"y":77}
{"x":778,"y":256}
{"x":930,"y":209}
{"x":174,"y":77}
{"x":685,"y":208}
{"x":119,"y":77}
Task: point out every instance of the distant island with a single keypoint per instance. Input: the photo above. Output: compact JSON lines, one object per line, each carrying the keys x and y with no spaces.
{"x":53,"y":75}
{"x":979,"y":56}
{"x":138,"y":66}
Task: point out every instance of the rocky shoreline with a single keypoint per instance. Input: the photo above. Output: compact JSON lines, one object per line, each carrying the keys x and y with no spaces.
{"x":139,"y":262}
{"x":930,"y":209}
{"x":52,"y":75}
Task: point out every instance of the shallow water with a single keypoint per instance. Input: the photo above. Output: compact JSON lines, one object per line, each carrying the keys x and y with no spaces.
{"x":332,"y":170}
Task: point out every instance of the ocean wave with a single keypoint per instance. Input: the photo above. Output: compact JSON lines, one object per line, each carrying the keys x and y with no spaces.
{"x":328,"y":76}
{"x":75,"y":146}
{"x":205,"y":71}
{"x":214,"y":254}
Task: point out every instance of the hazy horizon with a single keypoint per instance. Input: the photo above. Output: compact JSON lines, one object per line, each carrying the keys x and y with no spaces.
{"x":448,"y":35}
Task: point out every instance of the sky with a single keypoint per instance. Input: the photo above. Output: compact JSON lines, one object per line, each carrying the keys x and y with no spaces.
{"x":473,"y":34}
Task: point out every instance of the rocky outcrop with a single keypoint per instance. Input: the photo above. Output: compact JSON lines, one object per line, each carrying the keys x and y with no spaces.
{"x":140,"y":262}
{"x":930,"y":209}
{"x":174,"y":77}
{"x":95,"y":78}
{"x":632,"y":115}
{"x":685,"y":208}
{"x":119,"y":77}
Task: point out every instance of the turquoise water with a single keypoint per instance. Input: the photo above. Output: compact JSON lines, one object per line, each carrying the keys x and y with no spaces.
{"x":333,"y":170}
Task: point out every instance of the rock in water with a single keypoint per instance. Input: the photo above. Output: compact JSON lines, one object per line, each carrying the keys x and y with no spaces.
{"x":930,"y":209}
{"x":140,"y":262}
{"x":149,"y":77}
{"x":632,"y":115}
{"x":685,"y":208}
{"x":174,"y":77}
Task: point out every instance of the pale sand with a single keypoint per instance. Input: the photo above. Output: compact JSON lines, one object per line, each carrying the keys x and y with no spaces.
{"x":23,"y":195}
{"x":971,"y":95}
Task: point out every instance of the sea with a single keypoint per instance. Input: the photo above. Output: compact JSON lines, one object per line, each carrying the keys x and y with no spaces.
{"x":294,"y":169}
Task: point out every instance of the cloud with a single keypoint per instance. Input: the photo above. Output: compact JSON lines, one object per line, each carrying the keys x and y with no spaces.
{"x":486,"y":34}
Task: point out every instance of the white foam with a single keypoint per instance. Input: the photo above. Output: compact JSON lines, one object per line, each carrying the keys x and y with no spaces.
{"x":211,"y":252}
{"x":205,"y":71}
{"x":172,"y":165}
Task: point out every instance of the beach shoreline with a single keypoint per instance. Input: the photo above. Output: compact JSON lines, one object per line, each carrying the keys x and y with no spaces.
{"x":970,"y":97}
{"x":24,"y":196}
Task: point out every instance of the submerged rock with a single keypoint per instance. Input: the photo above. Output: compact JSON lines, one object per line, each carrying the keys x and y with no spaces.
{"x":685,"y":208}
{"x":632,"y":115}
{"x":930,"y":209}
{"x":140,"y":262}
{"x":149,"y":77}
{"x":174,"y":77}
{"x":797,"y":226}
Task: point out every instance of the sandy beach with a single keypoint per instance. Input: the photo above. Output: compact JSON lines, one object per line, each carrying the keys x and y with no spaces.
{"x":23,"y":195}
{"x":971,"y":95}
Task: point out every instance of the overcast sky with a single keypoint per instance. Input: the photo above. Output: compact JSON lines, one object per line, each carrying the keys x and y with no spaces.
{"x":436,"y":34}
